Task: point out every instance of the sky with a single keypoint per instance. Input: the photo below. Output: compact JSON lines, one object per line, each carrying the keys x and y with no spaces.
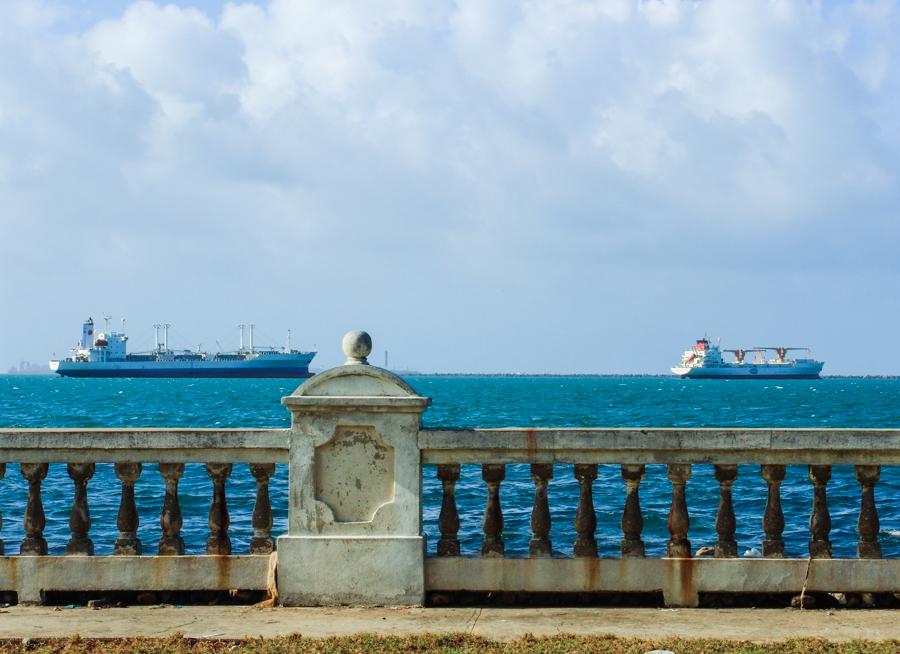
{"x":526,"y":186}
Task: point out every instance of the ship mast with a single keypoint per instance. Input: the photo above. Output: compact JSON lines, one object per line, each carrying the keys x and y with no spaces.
{"x":287,"y":345}
{"x":251,"y":336}
{"x":156,"y":327}
{"x":241,"y":327}
{"x":166,"y":335}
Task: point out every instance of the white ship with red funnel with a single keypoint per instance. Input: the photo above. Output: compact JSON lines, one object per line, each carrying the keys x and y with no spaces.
{"x":704,"y":361}
{"x":105,"y":355}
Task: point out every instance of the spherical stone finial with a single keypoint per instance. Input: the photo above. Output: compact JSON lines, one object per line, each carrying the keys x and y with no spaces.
{"x":357,"y":346}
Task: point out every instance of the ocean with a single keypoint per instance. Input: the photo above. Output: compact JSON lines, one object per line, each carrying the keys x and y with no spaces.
{"x":463,"y":402}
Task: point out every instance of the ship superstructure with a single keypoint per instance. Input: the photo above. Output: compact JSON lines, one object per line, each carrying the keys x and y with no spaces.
{"x":705,"y":361}
{"x":105,"y":355}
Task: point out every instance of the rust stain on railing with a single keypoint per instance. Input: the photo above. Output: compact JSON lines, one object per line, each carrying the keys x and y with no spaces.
{"x":531,"y":444}
{"x":680,"y":578}
{"x":593,"y":570}
{"x":223,"y":571}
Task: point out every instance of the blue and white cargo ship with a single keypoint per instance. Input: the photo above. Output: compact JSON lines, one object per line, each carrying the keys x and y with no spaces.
{"x":704,"y":361}
{"x":105,"y":355}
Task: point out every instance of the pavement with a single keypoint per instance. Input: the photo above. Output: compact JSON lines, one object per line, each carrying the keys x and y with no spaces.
{"x":235,"y":622}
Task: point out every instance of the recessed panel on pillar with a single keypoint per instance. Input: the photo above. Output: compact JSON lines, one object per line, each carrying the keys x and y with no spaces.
{"x":354,"y":473}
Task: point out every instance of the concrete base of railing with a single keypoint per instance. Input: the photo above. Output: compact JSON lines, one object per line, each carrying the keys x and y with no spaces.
{"x":389,"y":571}
{"x":30,"y":575}
{"x":680,"y":580}
{"x":362,"y":571}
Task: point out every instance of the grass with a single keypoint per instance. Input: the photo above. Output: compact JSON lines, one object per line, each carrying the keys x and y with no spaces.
{"x":455,"y":643}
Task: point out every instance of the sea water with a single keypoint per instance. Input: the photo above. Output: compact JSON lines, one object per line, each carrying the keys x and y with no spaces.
{"x":465,"y":402}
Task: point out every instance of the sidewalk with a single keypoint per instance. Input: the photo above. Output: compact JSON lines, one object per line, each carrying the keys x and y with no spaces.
{"x":495,"y":623}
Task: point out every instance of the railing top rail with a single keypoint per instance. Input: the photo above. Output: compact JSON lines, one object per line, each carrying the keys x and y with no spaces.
{"x":661,"y":445}
{"x":144,"y":445}
{"x":510,"y":445}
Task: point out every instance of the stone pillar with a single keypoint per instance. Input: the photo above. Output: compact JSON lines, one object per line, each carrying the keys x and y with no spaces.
{"x":355,"y":507}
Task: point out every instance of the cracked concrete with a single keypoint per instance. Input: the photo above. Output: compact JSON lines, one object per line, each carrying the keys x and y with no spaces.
{"x":495,"y":623}
{"x":475,"y":621}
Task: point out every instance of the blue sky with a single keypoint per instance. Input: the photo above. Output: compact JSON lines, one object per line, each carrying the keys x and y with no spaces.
{"x":559,"y":186}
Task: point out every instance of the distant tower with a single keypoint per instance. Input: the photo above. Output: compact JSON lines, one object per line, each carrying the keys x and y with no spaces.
{"x":87,"y":334}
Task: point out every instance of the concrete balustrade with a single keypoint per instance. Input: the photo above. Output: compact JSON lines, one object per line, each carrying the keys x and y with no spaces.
{"x":680,"y":577}
{"x":166,"y":567}
{"x":356,"y":455}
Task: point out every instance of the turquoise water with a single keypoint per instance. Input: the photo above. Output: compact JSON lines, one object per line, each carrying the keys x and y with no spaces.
{"x":32,"y":402}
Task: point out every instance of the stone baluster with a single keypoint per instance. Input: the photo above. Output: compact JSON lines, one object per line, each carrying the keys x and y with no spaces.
{"x":868,"y":524}
{"x":679,"y":546}
{"x":726,"y":546}
{"x":820,"y":519}
{"x":218,"y":541}
{"x":2,"y":475}
{"x":34,"y":521}
{"x":632,"y":519}
{"x":262,"y":541}
{"x":80,"y":516}
{"x":171,"y":542}
{"x":773,"y":517}
{"x":127,"y":521}
{"x":540,"y":546}
{"x":585,"y":517}
{"x":448,"y":521}
{"x":492,"y":545}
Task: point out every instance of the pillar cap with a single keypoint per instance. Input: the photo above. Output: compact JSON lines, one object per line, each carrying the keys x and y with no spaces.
{"x":357,"y":345}
{"x":356,"y":385}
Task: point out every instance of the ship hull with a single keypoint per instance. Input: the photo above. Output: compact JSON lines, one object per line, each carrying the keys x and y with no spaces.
{"x":175,"y":372}
{"x":705,"y":376}
{"x":194,"y":369}
{"x":751,"y":372}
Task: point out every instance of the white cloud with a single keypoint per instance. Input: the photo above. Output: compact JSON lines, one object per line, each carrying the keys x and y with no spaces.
{"x":634,"y":141}
{"x":178,"y":56}
{"x":504,"y":147}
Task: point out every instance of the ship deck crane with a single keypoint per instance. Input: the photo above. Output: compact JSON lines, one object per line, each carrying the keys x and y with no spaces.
{"x":740,"y":353}
{"x":781,"y":351}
